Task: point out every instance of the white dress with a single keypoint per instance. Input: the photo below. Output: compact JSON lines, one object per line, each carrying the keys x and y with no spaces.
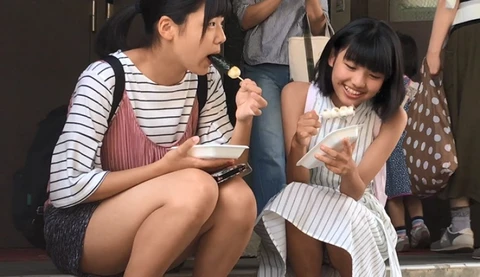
{"x":362,"y":228}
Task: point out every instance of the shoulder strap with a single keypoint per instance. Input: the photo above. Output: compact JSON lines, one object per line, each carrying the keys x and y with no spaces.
{"x":119,"y":83}
{"x":307,"y":41}
{"x":202,"y":91}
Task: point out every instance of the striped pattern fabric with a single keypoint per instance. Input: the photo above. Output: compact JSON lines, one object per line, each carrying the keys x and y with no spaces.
{"x":319,"y":210}
{"x":117,"y":151}
{"x":162,"y":115}
{"x":268,"y":41}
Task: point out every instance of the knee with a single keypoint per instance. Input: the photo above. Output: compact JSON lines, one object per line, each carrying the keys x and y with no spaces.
{"x":199,"y":197}
{"x":237,"y":204}
{"x":339,"y":258}
{"x":294,"y":87}
{"x":291,"y":90}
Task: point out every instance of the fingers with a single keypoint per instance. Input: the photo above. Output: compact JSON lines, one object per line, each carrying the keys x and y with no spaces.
{"x":214,"y":164}
{"x":434,"y":71}
{"x":328,"y":160}
{"x":311,"y":131}
{"x":334,"y":169}
{"x":302,"y":135}
{"x":311,"y":115}
{"x":259,"y":102}
{"x":310,"y":119}
{"x":332,"y":165}
{"x":348,"y":147}
{"x":309,"y":123}
{"x":188,"y":144}
{"x":434,"y":64}
{"x":251,"y":86}
{"x":330,"y":152}
{"x":253,"y":106}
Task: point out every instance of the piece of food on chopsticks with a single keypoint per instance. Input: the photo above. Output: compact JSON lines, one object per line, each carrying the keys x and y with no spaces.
{"x":224,"y":67}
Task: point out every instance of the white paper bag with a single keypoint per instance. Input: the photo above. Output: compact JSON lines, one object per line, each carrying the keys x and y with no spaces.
{"x":297,"y":52}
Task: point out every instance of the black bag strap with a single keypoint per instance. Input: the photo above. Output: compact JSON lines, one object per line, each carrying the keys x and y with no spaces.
{"x":119,"y":83}
{"x":307,"y":39}
{"x":202,"y":91}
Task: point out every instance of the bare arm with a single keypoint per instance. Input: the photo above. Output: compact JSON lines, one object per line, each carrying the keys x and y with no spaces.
{"x":316,"y":17}
{"x":177,"y":159}
{"x":119,"y":181}
{"x":257,"y":13}
{"x":294,"y":96}
{"x":241,"y":136}
{"x":249,"y":102}
{"x":441,"y":24}
{"x":375,"y":156}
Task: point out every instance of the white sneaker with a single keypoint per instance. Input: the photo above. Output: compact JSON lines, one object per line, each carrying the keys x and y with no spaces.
{"x":403,"y":244}
{"x":458,"y":242}
{"x":420,"y":237}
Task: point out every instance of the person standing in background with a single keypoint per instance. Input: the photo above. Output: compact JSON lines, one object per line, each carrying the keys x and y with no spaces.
{"x":459,"y":22}
{"x":269,"y":25}
{"x":398,"y":186}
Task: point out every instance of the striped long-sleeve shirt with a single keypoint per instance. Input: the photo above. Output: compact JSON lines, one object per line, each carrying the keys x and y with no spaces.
{"x":162,"y":112}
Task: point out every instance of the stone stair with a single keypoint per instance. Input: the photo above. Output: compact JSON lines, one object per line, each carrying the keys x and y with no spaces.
{"x":413,"y":265}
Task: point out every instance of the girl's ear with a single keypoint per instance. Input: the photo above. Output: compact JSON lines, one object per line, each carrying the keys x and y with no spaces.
{"x":331,"y":59}
{"x":167,"y":28}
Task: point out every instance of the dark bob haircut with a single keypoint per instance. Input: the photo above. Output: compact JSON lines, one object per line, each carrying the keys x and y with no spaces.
{"x":113,"y":35}
{"x":410,"y":54}
{"x":372,"y":44}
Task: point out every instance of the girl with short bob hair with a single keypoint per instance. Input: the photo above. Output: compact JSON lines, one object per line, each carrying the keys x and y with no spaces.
{"x":123,"y":201}
{"x":329,"y":214}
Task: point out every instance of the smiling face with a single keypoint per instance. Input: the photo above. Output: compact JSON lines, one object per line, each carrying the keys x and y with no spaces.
{"x":363,"y":62}
{"x":353,"y":84}
{"x":189,"y":44}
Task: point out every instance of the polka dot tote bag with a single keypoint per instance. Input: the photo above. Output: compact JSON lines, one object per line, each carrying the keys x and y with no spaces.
{"x":429,"y":145}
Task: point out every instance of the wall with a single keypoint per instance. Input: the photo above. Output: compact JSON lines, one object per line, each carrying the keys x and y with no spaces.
{"x":341,"y":18}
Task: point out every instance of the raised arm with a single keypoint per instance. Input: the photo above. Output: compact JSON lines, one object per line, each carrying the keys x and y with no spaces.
{"x":441,"y":25}
{"x":250,"y":14}
{"x":316,"y":16}
{"x":214,"y":125}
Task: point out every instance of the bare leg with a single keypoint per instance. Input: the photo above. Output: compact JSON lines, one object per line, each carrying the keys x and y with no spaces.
{"x":305,"y":254}
{"x":144,"y":229}
{"x":396,"y":210}
{"x":459,"y":202}
{"x":340,"y":260}
{"x":419,"y":235}
{"x":229,"y":230}
{"x":414,"y":206}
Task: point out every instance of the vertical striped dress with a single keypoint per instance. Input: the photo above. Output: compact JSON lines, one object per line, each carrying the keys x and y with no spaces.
{"x":318,"y":209}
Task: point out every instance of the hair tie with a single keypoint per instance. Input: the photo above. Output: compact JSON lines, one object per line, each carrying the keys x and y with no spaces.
{"x":138,"y":7}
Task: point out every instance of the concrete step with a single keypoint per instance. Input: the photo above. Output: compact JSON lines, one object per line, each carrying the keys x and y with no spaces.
{"x":413,"y":265}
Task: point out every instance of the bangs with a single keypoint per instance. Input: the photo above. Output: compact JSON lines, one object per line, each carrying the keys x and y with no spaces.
{"x":370,"y":52}
{"x":216,"y":8}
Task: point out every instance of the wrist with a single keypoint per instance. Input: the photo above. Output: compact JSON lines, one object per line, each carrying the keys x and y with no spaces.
{"x":297,"y":146}
{"x":351,"y":175}
{"x":160,"y":167}
{"x":245,"y":122}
